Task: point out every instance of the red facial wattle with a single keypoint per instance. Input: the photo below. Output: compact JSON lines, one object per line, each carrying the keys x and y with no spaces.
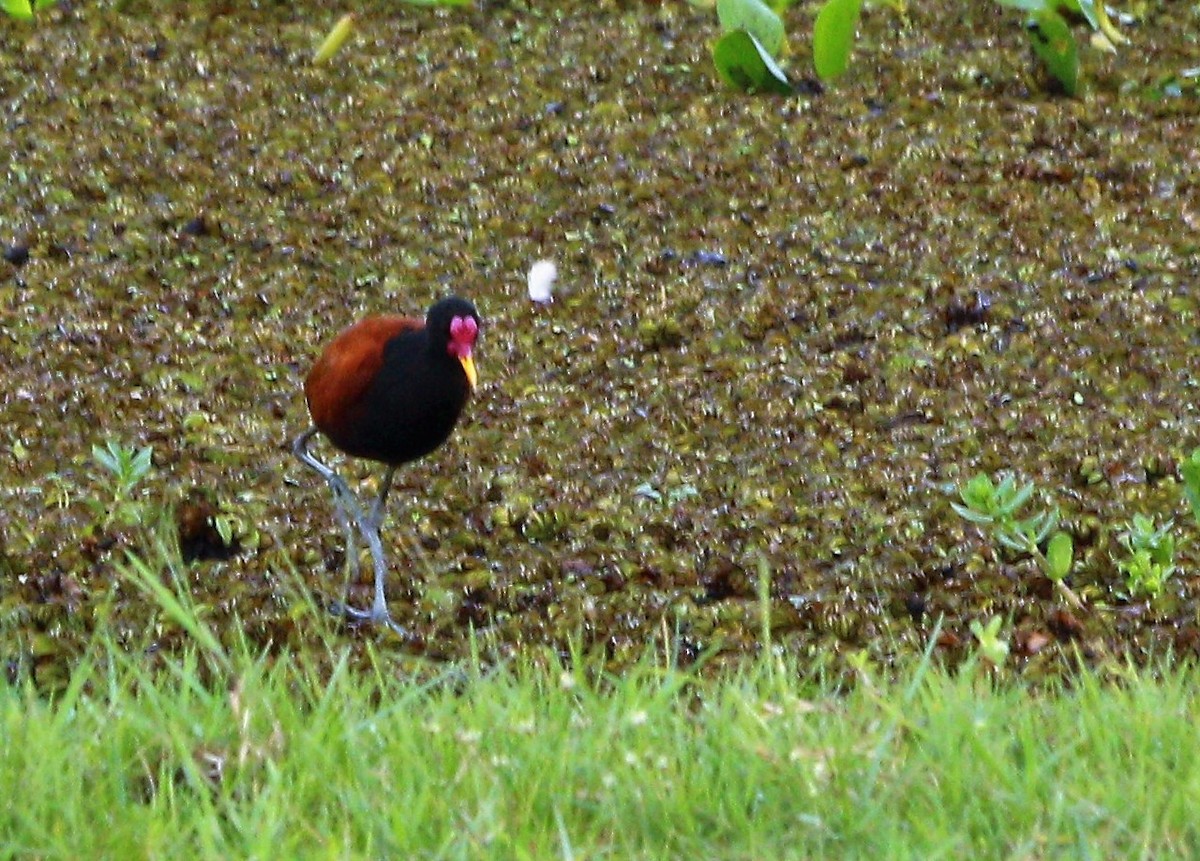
{"x":463,"y":332}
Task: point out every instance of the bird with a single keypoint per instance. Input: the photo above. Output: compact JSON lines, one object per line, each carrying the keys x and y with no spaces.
{"x":390,"y":389}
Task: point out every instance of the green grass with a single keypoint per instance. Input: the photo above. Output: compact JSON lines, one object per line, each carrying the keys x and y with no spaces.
{"x":233,"y":754}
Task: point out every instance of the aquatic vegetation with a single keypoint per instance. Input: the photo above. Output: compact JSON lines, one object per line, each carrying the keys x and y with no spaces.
{"x":1151,"y":559}
{"x":785,"y":327}
{"x":748,"y":54}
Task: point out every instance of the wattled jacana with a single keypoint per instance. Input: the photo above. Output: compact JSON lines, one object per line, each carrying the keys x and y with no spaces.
{"x":388,"y":389}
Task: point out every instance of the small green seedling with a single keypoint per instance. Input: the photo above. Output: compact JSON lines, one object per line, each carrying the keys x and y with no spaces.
{"x":747,"y":54}
{"x":994,"y":509}
{"x":995,"y":506}
{"x":754,"y":40}
{"x":991,"y":645}
{"x":1189,"y":470}
{"x":1151,"y":559}
{"x":744,"y":63}
{"x":125,"y":467}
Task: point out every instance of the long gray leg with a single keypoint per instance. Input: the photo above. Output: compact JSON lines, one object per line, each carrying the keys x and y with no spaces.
{"x":350,"y":512}
{"x":384,"y":487}
{"x":347,"y":525}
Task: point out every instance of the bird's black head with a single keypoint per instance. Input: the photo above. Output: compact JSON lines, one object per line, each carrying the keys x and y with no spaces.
{"x":453,"y":326}
{"x":442,"y":313}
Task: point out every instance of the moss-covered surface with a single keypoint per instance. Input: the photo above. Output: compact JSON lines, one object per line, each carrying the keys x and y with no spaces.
{"x":796,"y":322}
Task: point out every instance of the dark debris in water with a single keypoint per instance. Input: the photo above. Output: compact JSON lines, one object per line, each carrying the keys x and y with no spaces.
{"x":17,"y":254}
{"x":786,"y":327}
{"x":199,"y":535}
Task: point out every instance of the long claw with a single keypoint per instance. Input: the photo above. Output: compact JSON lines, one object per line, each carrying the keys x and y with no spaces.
{"x":345,"y":611}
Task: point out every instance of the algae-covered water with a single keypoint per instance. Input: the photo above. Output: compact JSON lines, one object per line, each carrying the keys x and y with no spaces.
{"x":785,"y":328}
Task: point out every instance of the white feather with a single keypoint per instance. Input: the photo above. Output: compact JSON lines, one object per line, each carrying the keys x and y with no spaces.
{"x":541,"y":281}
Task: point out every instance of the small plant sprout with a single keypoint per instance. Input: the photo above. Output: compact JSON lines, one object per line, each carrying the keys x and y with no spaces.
{"x":992,"y":646}
{"x":126,"y":467}
{"x":1189,"y":470}
{"x":1151,"y":559}
{"x":753,"y":40}
{"x":542,"y":276}
{"x":993,"y":508}
{"x":336,"y":38}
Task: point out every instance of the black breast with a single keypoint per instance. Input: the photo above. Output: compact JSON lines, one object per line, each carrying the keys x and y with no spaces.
{"x":412,"y":404}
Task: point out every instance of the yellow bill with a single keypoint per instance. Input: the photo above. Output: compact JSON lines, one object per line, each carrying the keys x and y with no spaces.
{"x":469,"y":366}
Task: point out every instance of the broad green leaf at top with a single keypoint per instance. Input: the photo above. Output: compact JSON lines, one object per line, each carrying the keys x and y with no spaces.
{"x":19,"y":9}
{"x":756,"y":18}
{"x":23,"y":10}
{"x":833,"y":37}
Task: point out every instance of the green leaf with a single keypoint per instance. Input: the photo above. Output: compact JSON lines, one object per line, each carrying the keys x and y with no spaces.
{"x":1059,"y":553}
{"x":1014,"y":498}
{"x":991,"y":645}
{"x":979,"y":493}
{"x":756,"y":18}
{"x":1189,"y":468}
{"x":19,"y":9}
{"x":1036,"y":528}
{"x":1017,"y":543}
{"x":1055,"y":46}
{"x":335,"y":38}
{"x":833,"y":37}
{"x":109,"y":457}
{"x":745,"y":64}
{"x":972,"y":515}
{"x":140,"y":465}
